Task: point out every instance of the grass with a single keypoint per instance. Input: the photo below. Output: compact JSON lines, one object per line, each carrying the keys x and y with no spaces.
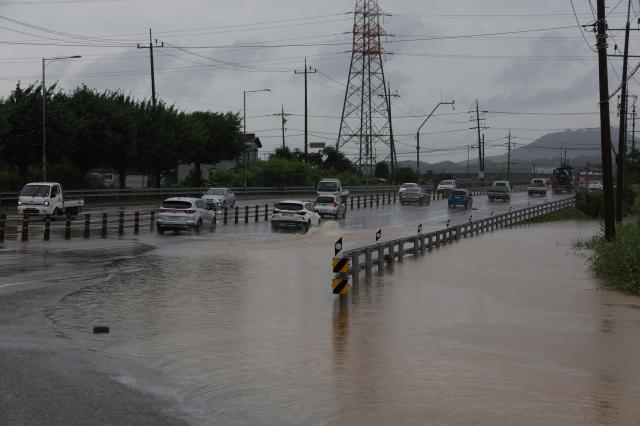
{"x":617,"y":262}
{"x":562,"y":215}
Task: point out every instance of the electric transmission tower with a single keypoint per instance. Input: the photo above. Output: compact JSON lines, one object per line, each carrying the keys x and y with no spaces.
{"x":366,"y":112}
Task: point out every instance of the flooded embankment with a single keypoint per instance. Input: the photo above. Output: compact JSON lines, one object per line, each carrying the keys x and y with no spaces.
{"x":505,"y":328}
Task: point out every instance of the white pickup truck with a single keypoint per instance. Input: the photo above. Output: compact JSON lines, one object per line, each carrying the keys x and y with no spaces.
{"x":499,"y":190}
{"x":46,"y":199}
{"x":538,"y":187}
{"x":332,"y":187}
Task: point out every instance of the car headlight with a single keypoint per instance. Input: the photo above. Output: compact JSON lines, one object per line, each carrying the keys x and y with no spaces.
{"x":19,"y":203}
{"x":45,"y":203}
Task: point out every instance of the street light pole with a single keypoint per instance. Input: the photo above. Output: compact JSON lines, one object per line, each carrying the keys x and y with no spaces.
{"x":244,"y":132}
{"x":44,"y":111}
{"x":418,"y":134}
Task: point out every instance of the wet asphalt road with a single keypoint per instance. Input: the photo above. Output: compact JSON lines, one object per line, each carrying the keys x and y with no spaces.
{"x":239,"y":326}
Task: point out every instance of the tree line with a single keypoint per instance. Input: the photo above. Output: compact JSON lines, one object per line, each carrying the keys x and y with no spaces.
{"x":87,"y":130}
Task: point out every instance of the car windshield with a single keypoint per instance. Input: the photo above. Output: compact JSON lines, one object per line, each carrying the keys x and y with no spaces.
{"x":215,"y":191}
{"x":174,"y":204}
{"x":499,"y":184}
{"x":35,"y":191}
{"x":327,"y":186}
{"x":446,"y":182}
{"x":289,"y":206}
{"x":409,"y":185}
{"x":539,"y":183}
{"x":458,"y":192}
{"x":412,"y":190}
{"x":326,"y":200}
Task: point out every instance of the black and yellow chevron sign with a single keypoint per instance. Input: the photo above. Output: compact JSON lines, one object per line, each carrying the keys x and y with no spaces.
{"x":340,"y":265}
{"x":340,"y":286}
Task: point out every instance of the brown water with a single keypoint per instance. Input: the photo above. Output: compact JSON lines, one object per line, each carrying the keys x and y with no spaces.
{"x":506,"y":328}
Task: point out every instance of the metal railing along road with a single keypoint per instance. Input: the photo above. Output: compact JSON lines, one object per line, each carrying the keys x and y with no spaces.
{"x":387,"y":252}
{"x":128,"y":193}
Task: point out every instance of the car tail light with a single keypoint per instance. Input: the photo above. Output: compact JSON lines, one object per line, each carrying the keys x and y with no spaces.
{"x":335,"y":204}
{"x":315,"y":203}
{"x":189,"y":211}
{"x":162,"y":210}
{"x":301,"y":213}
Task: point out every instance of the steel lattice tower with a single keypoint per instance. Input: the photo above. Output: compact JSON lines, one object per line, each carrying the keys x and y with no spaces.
{"x":366,"y":112}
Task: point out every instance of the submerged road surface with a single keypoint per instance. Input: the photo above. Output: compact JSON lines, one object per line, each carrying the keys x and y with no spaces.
{"x":240,"y":327}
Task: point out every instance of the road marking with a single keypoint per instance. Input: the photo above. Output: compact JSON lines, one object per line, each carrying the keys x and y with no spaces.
{"x":387,"y":214}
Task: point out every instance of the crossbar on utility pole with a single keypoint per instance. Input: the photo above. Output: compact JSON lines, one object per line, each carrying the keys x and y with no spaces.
{"x":605,"y":123}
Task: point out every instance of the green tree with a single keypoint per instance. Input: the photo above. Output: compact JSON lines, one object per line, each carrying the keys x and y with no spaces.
{"x":336,"y":160}
{"x":406,"y":174}
{"x":381,"y":170}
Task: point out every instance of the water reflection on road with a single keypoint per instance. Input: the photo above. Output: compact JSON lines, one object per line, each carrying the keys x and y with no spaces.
{"x":500,"y":329}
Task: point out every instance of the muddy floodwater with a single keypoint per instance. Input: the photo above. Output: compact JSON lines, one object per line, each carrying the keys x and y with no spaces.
{"x":505,"y":328}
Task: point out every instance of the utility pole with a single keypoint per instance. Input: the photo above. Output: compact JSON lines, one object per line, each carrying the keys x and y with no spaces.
{"x":605,"y":124}
{"x":633,"y":128}
{"x":468,"y":157}
{"x":477,"y":119}
{"x":394,"y":160}
{"x":153,"y":77}
{"x":509,"y":158}
{"x":452,"y":103}
{"x":284,"y":121}
{"x":622,"y":135}
{"x":307,"y":70}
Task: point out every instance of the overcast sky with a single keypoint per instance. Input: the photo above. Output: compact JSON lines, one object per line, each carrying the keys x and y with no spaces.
{"x":548,"y":69}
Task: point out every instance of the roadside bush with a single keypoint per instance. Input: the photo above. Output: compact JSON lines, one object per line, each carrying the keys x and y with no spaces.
{"x":10,"y":181}
{"x":590,"y":203}
{"x":617,"y":262}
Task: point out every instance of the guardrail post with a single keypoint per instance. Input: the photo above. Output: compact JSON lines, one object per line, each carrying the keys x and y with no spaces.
{"x":87,"y":226}
{"x":136,"y":223}
{"x":415,"y":246}
{"x":458,"y":233}
{"x":67,"y":228}
{"x":371,"y":201}
{"x":120,"y":223}
{"x":47,"y":228}
{"x":266,"y":212}
{"x":235,"y":215}
{"x":3,"y":224}
{"x":389,"y":198}
{"x":377,"y":200}
{"x":430,"y":241}
{"x":394,"y":197}
{"x":392,"y":252}
{"x":383,"y":196}
{"x":380,"y":258}
{"x":401,"y":250}
{"x":255,"y":217}
{"x":25,"y":228}
{"x":103,"y":230}
{"x":367,"y":261}
{"x":355,"y":268}
{"x":358,"y":201}
{"x":246,"y":214}
{"x":421,"y":237}
{"x":224,"y":216}
{"x":351,"y":198}
{"x":152,"y":219}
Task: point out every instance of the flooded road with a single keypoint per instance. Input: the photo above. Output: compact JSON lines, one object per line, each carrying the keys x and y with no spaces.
{"x":506,"y":328}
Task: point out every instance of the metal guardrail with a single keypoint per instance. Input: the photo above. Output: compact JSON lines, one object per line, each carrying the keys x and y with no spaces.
{"x":117,"y":194}
{"x":388,"y":252}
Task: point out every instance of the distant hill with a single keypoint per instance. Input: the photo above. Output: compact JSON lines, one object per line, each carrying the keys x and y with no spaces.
{"x":583,"y":146}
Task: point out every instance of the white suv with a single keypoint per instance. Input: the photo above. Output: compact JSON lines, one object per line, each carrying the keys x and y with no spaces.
{"x":183,"y":214}
{"x":294,"y":213}
{"x":219,"y":198}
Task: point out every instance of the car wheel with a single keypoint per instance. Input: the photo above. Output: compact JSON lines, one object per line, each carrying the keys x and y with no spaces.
{"x":198,"y":228}
{"x":159,"y":229}
{"x":274,"y":227}
{"x":57,"y":212}
{"x":306,"y":227}
{"x":233,"y":204}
